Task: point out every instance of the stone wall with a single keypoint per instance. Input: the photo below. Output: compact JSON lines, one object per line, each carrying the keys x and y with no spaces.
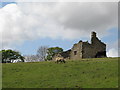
{"x":65,"y":55}
{"x":95,"y":49}
{"x":85,"y":49}
{"x":98,"y":46}
{"x":76,"y":51}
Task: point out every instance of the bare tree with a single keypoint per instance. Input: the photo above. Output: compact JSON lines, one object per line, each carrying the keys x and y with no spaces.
{"x":42,"y":52}
{"x":32,"y":58}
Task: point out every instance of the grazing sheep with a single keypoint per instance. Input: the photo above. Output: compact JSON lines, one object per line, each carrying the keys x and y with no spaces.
{"x":60,"y":60}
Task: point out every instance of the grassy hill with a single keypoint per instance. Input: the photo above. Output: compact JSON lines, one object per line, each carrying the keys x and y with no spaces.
{"x":85,"y":73}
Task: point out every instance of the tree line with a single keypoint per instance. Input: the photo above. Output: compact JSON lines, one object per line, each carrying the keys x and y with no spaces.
{"x":43,"y":54}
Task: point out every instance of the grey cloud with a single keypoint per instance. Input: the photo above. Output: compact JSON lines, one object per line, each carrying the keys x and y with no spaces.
{"x":87,"y":16}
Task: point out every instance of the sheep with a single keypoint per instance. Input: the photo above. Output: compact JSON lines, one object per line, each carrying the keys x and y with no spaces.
{"x":60,"y":60}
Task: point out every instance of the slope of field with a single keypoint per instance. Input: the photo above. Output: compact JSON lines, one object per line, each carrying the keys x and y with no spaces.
{"x":85,"y":73}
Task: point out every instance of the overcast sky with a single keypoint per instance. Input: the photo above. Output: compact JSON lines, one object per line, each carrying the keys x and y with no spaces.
{"x":26,"y":26}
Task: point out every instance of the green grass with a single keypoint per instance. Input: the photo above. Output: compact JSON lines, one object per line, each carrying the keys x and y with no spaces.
{"x":85,"y":73}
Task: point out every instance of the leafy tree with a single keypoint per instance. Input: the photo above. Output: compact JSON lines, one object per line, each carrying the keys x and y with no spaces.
{"x":52,"y":51}
{"x":8,"y":55}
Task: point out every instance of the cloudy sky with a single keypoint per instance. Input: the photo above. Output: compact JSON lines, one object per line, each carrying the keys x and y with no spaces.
{"x":24,"y":26}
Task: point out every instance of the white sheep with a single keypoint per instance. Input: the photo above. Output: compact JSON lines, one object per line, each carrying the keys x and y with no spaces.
{"x":60,"y":59}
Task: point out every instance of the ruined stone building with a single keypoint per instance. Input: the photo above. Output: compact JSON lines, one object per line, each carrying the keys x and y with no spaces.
{"x":95,"y":49}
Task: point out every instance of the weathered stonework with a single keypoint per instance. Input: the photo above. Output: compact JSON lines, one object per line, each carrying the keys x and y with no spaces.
{"x":95,"y":49}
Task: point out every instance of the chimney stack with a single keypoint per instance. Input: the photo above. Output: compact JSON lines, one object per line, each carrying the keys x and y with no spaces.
{"x":93,"y":34}
{"x":93,"y":37}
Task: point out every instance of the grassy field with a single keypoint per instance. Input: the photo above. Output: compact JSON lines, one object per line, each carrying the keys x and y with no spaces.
{"x":85,"y":73}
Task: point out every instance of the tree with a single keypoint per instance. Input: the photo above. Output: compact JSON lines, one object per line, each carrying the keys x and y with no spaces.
{"x":42,"y":52}
{"x":52,"y":51}
{"x":9,"y":55}
{"x":31,"y":58}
